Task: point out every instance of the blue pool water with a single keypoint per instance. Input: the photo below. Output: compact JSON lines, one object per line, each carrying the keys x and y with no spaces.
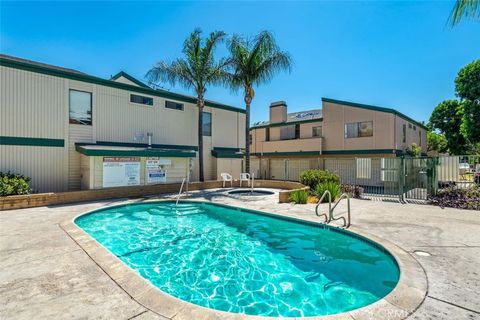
{"x":241,"y":261}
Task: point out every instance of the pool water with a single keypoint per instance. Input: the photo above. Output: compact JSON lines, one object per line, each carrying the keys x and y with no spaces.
{"x":242,"y":261}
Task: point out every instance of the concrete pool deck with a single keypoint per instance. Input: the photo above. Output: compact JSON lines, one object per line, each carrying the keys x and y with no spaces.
{"x":45,"y":274}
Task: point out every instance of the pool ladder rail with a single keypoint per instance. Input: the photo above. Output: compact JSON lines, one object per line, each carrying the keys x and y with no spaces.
{"x":180,"y":191}
{"x":329,"y":217}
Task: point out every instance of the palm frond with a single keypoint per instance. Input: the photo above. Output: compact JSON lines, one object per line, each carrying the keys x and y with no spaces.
{"x":257,"y":61}
{"x":271,"y":65}
{"x":464,"y":8}
{"x":197,"y":68}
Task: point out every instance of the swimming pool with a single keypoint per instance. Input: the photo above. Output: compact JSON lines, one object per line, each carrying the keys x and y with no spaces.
{"x":244,"y":261}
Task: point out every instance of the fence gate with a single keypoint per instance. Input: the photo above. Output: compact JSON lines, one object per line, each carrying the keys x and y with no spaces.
{"x":415,"y":178}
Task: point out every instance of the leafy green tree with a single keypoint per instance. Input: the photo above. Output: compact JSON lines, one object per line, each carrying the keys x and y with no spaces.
{"x":447,"y":118}
{"x":464,"y":8}
{"x":467,"y":82}
{"x":197,"y":69}
{"x":470,"y":127}
{"x":467,"y":86}
{"x":436,"y":142}
{"x":255,"y":62}
{"x":414,"y":150}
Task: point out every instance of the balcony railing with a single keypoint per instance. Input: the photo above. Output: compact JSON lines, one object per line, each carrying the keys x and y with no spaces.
{"x":294,"y":145}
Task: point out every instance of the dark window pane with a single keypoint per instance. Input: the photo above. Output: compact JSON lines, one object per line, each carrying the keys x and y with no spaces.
{"x":297,"y":131}
{"x":207,"y":124}
{"x":141,"y":99}
{"x":267,"y":134}
{"x":173,"y":105}
{"x":80,"y":109}
{"x":317,"y":131}
{"x":351,"y":130}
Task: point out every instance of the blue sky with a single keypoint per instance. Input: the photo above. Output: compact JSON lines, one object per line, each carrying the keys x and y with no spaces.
{"x":393,"y":54}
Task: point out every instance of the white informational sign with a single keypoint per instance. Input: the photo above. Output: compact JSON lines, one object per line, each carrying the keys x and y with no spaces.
{"x":156,"y":176}
{"x":154,"y":171}
{"x":121,"y":171}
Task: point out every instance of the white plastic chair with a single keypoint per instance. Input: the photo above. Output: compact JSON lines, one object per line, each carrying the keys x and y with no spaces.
{"x":226,"y":177}
{"x":245,"y":177}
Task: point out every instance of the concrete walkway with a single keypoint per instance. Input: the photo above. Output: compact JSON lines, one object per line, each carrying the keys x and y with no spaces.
{"x":45,"y":275}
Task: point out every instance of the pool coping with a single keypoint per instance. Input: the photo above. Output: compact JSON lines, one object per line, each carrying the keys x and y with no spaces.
{"x":400,"y":303}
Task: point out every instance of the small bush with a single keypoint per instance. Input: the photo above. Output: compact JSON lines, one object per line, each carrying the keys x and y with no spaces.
{"x":299,"y":196}
{"x":352,"y":190}
{"x":457,"y":198}
{"x":333,"y":187}
{"x":14,"y":184}
{"x":312,"y":178}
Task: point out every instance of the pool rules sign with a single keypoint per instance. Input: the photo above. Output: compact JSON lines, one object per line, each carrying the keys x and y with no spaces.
{"x":121,"y":171}
{"x":155,"y":172}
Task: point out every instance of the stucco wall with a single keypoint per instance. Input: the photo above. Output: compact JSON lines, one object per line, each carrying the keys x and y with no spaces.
{"x":335,"y":118}
{"x":412,"y":135}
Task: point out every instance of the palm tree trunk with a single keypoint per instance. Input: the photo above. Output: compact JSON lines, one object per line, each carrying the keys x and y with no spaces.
{"x":247,"y":139}
{"x":200,"y":105}
{"x":248,"y":101}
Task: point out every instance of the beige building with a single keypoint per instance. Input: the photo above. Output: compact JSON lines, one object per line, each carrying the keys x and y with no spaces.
{"x":292,"y":142}
{"x":68,"y":130}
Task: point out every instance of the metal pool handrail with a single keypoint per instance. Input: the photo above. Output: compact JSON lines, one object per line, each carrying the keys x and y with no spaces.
{"x":327,"y":216}
{"x":253,"y":182}
{"x":180,"y":192}
{"x":346,"y":222}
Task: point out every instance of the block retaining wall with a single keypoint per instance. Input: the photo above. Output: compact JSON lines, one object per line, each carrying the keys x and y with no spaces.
{"x":47,"y":199}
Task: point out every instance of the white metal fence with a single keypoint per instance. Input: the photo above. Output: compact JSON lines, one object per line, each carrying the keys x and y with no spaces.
{"x":402,"y":177}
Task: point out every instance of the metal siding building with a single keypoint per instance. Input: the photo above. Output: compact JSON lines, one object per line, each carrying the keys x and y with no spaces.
{"x":38,"y":140}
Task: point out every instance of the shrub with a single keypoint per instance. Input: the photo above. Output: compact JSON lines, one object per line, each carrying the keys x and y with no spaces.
{"x":352,"y":190}
{"x":299,"y":196}
{"x":312,"y":178}
{"x":333,"y":187}
{"x":457,"y":198}
{"x":13,"y":184}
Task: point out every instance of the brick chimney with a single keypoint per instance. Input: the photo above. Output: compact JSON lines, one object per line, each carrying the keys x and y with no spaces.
{"x":278,"y":112}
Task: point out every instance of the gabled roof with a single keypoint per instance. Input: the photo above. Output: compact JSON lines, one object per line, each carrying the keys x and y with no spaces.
{"x":375,"y":108}
{"x":42,"y":68}
{"x":130,"y":78}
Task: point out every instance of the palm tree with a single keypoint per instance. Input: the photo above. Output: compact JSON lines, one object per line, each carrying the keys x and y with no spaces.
{"x":465,"y":8}
{"x":254,"y":62}
{"x":196,"y":70}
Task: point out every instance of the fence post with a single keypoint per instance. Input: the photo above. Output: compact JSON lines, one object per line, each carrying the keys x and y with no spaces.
{"x":401,"y":178}
{"x":355,"y":172}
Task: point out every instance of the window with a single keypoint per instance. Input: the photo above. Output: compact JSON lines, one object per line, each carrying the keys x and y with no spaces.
{"x":250,"y":137}
{"x":364,"y":168}
{"x":267,"y":134}
{"x":141,"y":99}
{"x":297,"y":131}
{"x":404,"y":133}
{"x":173,"y":105}
{"x":409,"y":126}
{"x":414,"y":128}
{"x":359,"y":129}
{"x":80,"y":107}
{"x":317,"y":131}
{"x":207,"y":124}
{"x":389,"y":169}
{"x":419,"y":138}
